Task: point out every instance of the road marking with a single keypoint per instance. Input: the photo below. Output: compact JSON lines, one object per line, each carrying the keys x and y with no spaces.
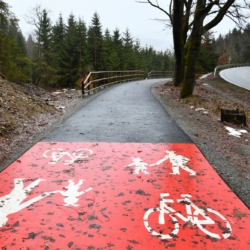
{"x":118,"y":196}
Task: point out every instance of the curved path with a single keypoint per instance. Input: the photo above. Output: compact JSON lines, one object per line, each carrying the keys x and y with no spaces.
{"x":238,"y":76}
{"x":127,"y":112}
{"x":119,"y":174}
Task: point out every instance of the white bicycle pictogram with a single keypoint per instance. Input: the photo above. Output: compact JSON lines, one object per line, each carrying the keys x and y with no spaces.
{"x":59,"y":155}
{"x":193,"y":218}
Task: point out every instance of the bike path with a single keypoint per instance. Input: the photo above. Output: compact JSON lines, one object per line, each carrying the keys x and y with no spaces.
{"x":108,"y":188}
{"x":125,"y":113}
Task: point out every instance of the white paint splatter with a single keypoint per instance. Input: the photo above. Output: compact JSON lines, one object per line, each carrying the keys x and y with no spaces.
{"x":200,"y":109}
{"x":205,"y":111}
{"x":235,"y":132}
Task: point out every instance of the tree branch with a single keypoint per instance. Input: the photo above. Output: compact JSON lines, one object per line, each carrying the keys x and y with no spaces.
{"x":158,"y":7}
{"x":221,"y":13}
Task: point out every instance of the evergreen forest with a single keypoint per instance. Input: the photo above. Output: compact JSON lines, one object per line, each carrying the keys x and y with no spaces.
{"x":61,"y":54}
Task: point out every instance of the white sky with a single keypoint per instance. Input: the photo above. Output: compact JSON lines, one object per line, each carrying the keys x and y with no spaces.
{"x":121,"y":14}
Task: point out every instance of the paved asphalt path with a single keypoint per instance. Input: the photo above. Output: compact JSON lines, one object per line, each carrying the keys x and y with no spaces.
{"x":69,"y":192}
{"x":238,"y":76}
{"x":127,"y":112}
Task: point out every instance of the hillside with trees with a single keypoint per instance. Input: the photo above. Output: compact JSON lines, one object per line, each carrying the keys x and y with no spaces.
{"x":60,"y":54}
{"x":236,"y":44}
{"x":189,"y":21}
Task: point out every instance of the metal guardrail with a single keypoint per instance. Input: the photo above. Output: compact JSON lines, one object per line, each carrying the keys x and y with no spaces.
{"x":101,"y":79}
{"x":160,"y":74}
{"x":227,"y":66}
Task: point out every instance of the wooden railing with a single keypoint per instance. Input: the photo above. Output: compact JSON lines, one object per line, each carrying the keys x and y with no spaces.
{"x":101,"y":79}
{"x":160,"y":74}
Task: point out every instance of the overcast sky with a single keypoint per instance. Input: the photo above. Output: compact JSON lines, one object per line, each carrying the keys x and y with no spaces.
{"x":121,"y":14}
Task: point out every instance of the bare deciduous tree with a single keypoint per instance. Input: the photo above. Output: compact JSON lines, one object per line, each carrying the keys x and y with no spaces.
{"x":189,"y":20}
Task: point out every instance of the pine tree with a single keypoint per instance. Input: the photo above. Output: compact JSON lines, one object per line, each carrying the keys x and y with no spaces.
{"x":58,"y":35}
{"x":13,"y":61}
{"x":20,"y":70}
{"x":70,"y":56}
{"x":107,"y":50}
{"x":207,"y":58}
{"x":129,"y":62}
{"x":117,"y":50}
{"x":6,"y":42}
{"x":44,"y":57}
{"x":30,"y":48}
{"x":83,"y":67}
{"x":95,"y":44}
{"x":246,"y":45}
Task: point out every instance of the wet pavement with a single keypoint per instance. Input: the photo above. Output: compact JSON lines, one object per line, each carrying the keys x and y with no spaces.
{"x":124,"y":113}
{"x":119,"y":174}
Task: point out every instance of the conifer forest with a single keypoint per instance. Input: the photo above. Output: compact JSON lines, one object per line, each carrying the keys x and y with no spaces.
{"x":60,"y":54}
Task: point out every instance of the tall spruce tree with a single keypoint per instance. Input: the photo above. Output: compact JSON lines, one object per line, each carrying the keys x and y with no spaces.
{"x":20,"y":70}
{"x":44,"y":57}
{"x":30,"y":48}
{"x":13,"y":61}
{"x":6,"y":43}
{"x":129,"y":61}
{"x":95,"y":43}
{"x":58,"y":35}
{"x":246,"y":45}
{"x":207,"y":58}
{"x":117,"y":50}
{"x":107,"y":50}
{"x":83,"y":67}
{"x":70,"y":57}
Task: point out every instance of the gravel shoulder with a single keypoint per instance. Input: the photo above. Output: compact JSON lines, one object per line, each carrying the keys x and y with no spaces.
{"x":28,"y":113}
{"x":199,"y":117}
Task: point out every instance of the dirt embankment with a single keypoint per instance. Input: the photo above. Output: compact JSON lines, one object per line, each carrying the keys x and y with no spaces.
{"x":27,"y":111}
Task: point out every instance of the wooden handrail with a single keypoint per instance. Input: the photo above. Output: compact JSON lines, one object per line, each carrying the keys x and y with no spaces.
{"x":88,"y":85}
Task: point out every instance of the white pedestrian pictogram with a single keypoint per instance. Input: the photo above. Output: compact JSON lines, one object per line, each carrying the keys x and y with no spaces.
{"x":13,"y":202}
{"x":177,"y":161}
{"x":72,"y":193}
{"x":139,"y":166}
{"x":59,"y":155}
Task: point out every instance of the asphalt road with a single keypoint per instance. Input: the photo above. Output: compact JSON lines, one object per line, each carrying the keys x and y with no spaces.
{"x":238,"y":76}
{"x":127,"y":112}
{"x":68,"y":192}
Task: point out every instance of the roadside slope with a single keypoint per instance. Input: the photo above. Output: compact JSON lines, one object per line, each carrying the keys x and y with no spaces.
{"x":199,"y":117}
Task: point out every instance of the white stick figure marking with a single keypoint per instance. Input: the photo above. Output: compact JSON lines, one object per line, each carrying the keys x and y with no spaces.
{"x":12,"y":202}
{"x":72,"y":193}
{"x":139,"y":166}
{"x":178,"y":161}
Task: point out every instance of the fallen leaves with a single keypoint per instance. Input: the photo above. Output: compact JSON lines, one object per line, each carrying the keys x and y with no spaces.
{"x":239,"y":214}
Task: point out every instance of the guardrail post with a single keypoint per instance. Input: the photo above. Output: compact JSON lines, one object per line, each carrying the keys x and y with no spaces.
{"x":83,"y":91}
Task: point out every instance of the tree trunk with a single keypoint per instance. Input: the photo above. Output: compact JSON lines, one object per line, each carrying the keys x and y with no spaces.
{"x":192,"y":46}
{"x":178,"y":6}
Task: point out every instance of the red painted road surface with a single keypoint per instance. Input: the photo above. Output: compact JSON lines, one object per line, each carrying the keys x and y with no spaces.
{"x":118,"y":196}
